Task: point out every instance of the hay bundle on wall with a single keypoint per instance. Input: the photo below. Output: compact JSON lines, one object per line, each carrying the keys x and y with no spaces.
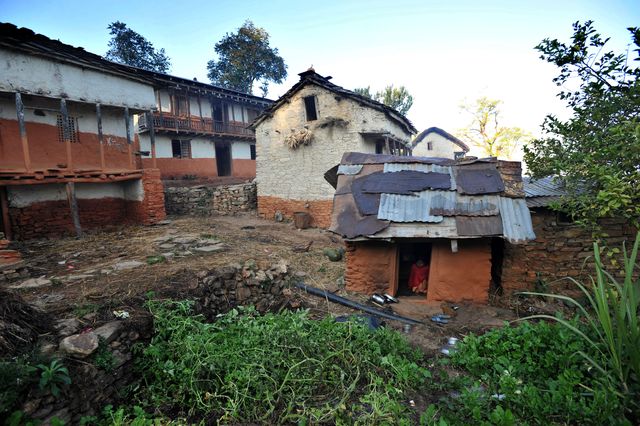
{"x":298,"y":137}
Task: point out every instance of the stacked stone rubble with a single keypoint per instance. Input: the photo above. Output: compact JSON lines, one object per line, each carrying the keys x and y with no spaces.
{"x":207,"y":200}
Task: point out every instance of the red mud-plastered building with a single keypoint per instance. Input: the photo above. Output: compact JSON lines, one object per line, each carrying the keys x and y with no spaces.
{"x":455,"y":216}
{"x":69,"y":156}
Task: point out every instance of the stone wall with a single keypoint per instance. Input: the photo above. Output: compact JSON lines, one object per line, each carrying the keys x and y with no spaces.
{"x":298,"y":174}
{"x":260,"y":284}
{"x":560,"y":250}
{"x":209,"y":200}
{"x":319,"y":210}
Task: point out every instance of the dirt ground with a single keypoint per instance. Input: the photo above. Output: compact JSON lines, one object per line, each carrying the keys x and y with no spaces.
{"x":97,"y":270}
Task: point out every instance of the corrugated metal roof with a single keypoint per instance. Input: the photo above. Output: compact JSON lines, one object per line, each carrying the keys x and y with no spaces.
{"x":398,"y":167}
{"x":349,"y":169}
{"x":408,"y":208}
{"x":540,"y":201}
{"x":516,"y":220}
{"x":454,"y":204}
{"x":545,"y":187}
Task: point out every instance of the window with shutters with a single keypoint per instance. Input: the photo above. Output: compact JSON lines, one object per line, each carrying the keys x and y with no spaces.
{"x":181,"y":148}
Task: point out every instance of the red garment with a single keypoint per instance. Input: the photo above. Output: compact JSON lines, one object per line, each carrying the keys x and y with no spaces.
{"x":418,"y":277}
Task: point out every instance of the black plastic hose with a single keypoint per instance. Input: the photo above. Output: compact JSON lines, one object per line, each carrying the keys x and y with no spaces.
{"x":355,"y":305}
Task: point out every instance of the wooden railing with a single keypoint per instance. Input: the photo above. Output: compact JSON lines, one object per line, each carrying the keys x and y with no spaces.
{"x":174,"y":123}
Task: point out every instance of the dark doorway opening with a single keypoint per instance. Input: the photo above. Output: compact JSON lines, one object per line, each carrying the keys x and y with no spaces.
{"x":497,"y":257}
{"x":223,"y":159}
{"x":408,"y":255}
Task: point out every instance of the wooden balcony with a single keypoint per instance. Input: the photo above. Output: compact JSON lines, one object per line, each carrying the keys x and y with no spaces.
{"x":195,"y":126}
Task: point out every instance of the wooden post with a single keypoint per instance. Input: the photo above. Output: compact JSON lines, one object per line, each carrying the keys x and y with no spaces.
{"x":213,"y":115}
{"x":23,"y":132}
{"x":100,"y":136}
{"x":4,"y":206}
{"x":127,"y":128}
{"x":386,"y":144}
{"x":66,"y":132}
{"x":160,"y":104}
{"x":200,"y":107}
{"x":152,"y":137}
{"x":73,"y":206}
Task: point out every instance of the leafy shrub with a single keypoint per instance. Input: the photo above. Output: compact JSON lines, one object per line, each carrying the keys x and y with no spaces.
{"x":276,"y":368}
{"x":532,"y":372}
{"x":611,"y":335}
{"x":16,"y":376}
{"x":53,"y":376}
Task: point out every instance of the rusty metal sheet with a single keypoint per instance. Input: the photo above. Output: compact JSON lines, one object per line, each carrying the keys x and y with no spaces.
{"x":479,"y":180}
{"x":476,"y":226}
{"x":455,"y":204}
{"x":405,"y":182}
{"x":397,"y":167}
{"x":362,"y":158}
{"x":366,"y":203}
{"x":347,"y":222}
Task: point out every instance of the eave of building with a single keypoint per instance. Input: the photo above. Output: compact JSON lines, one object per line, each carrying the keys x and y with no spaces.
{"x":46,"y":176}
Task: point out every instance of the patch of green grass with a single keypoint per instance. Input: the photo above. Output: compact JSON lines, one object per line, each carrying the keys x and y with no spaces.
{"x":277,"y":368}
{"x":208,"y":236}
{"x":528,"y":374}
{"x":87,"y":308}
{"x":103,"y":357}
{"x":152,"y":260}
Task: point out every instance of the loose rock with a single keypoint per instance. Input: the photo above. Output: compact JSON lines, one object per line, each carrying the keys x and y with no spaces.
{"x":80,"y":345}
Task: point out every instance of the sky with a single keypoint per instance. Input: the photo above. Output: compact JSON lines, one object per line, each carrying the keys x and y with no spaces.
{"x":444,"y":52}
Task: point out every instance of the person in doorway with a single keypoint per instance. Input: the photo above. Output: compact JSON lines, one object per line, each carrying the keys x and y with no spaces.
{"x":419,"y":277}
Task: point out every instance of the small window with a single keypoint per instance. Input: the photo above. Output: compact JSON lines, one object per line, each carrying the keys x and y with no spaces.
{"x":379,"y":147}
{"x":563,"y":218}
{"x":310,"y":107}
{"x":253,"y":151}
{"x":430,"y":146}
{"x":181,"y":148}
{"x":180,"y":105}
{"x":72,"y":123}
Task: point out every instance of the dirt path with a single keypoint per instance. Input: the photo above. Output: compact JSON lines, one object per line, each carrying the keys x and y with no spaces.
{"x":111,"y":268}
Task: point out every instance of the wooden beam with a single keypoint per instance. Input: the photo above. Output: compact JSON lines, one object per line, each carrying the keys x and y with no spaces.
{"x":100,"y":136}
{"x":152,"y":137}
{"x":66,"y":132}
{"x":127,"y":125}
{"x":200,"y":106}
{"x":23,"y":132}
{"x":4,"y":206}
{"x":73,"y":207}
{"x":159,"y":102}
{"x":386,"y":144}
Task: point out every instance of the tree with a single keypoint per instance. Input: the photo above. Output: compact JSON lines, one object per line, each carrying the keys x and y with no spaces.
{"x":128,"y":47}
{"x":397,"y":98}
{"x":485,"y":131}
{"x":596,"y":152}
{"x":245,"y":58}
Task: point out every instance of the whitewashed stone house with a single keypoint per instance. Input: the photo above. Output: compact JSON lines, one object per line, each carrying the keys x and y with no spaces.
{"x":435,"y":142}
{"x":305,"y":133}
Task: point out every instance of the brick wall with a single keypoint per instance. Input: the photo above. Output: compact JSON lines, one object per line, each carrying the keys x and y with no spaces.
{"x":53,"y":218}
{"x":559,"y":251}
{"x":205,"y":200}
{"x":319,"y":210}
{"x":151,"y":208}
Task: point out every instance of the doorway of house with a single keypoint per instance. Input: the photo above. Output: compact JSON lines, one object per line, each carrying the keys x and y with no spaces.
{"x":408,"y":255}
{"x":223,"y":159}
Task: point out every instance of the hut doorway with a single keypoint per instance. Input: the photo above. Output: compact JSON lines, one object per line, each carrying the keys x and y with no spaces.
{"x":410,"y":254}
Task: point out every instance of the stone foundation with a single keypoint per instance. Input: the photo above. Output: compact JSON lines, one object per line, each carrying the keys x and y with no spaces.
{"x":209,"y":200}
{"x":559,"y":251}
{"x":319,"y":210}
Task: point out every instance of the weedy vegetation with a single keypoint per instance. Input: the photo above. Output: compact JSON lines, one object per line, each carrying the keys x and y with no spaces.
{"x":276,"y":368}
